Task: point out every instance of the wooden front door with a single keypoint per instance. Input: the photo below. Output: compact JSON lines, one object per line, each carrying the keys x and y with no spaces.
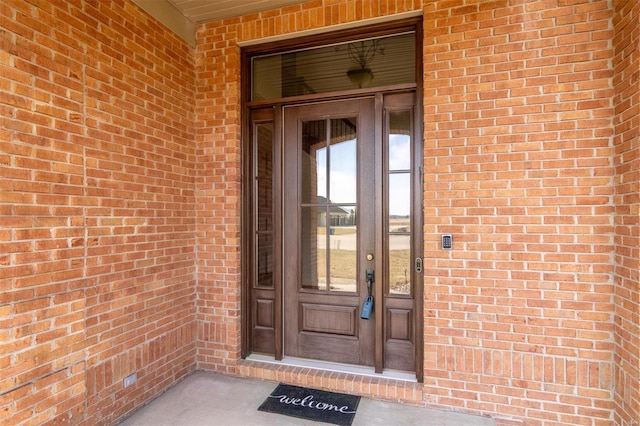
{"x":348,"y":199}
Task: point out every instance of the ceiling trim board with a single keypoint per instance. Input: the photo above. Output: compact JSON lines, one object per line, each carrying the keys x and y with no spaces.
{"x":165,"y":12}
{"x":201,"y":11}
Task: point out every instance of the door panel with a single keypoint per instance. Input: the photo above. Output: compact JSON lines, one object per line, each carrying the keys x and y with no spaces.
{"x":328,"y":223}
{"x":399,"y":345}
{"x":329,"y":319}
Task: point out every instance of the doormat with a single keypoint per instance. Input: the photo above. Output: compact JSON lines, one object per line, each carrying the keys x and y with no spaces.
{"x":312,"y":404}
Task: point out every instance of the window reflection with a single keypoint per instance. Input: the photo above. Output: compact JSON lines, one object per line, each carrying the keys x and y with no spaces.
{"x":325,"y":69}
{"x":314,"y":248}
{"x":342,"y":248}
{"x":399,"y":140}
{"x":400,"y":264}
{"x":263,"y":134}
{"x":399,"y":202}
{"x":328,"y":210}
{"x":313,"y":161}
{"x":343,"y":168}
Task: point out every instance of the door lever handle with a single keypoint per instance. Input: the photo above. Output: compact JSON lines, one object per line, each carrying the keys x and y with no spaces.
{"x":367,"y":307}
{"x":370,"y":276}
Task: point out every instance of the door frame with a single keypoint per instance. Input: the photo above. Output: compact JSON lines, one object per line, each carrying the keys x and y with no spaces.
{"x":273,"y":111}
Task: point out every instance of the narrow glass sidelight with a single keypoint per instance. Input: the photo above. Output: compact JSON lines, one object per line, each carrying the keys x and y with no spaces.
{"x":399,"y":202}
{"x":263,"y":172}
{"x":262,"y":242}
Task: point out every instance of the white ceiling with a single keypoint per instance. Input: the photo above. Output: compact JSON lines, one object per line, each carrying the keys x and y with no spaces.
{"x":182,"y":16}
{"x":198,"y":11}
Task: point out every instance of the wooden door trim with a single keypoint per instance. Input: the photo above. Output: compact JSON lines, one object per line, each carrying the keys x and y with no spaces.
{"x":380,"y":273}
{"x":419,"y":204}
{"x":336,"y":96}
{"x":278,"y":158}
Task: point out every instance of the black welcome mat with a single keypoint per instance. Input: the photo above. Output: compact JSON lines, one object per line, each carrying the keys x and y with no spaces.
{"x":312,"y":404}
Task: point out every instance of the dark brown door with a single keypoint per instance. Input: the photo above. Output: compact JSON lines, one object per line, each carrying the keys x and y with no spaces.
{"x":347,"y":216}
{"x":327,"y":226}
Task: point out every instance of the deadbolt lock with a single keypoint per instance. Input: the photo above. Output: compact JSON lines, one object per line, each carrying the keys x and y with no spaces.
{"x":369,"y":256}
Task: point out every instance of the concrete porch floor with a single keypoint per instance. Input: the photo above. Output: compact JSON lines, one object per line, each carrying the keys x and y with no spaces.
{"x":206,"y":399}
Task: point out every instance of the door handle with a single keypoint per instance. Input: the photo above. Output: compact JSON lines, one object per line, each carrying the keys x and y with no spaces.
{"x":367,"y":306}
{"x":370,"y":274}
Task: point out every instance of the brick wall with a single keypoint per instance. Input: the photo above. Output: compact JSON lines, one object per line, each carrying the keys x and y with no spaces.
{"x":97,"y":230}
{"x":626,"y":43}
{"x":112,"y":130}
{"x":518,"y":108}
{"x":218,"y":197}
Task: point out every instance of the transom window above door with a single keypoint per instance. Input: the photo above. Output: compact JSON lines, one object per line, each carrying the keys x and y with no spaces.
{"x":363,"y":63}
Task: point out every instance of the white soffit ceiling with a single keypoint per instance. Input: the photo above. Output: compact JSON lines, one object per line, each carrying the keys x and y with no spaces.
{"x":181,"y":16}
{"x":199,"y":11}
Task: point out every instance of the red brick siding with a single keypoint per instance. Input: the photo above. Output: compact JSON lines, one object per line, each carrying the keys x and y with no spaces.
{"x":626,"y":43}
{"x":120,"y":178}
{"x":518,"y":108}
{"x":218,"y":198}
{"x":97,"y":228}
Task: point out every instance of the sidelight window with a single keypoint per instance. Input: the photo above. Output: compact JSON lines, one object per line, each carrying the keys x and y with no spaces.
{"x":399,"y":201}
{"x":263,"y":133}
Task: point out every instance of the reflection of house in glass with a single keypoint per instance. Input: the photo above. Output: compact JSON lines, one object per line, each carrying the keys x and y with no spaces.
{"x":338,"y":215}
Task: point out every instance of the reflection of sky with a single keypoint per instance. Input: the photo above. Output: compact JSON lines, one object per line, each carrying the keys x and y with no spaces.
{"x":399,"y":194}
{"x":399,"y":152}
{"x":399,"y":184}
{"x":343,"y":173}
{"x":342,"y":177}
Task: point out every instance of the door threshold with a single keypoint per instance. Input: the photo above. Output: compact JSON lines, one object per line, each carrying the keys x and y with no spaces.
{"x":335,"y":367}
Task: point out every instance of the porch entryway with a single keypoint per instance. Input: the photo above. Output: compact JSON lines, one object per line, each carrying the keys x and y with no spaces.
{"x":333,"y":239}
